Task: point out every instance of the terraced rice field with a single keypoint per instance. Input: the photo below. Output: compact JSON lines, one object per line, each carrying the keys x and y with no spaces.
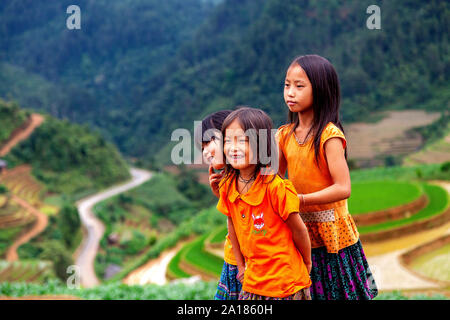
{"x":15,"y":216}
{"x":438,"y":202}
{"x":434,"y":264}
{"x":193,"y":259}
{"x":379,"y":195}
{"x":21,"y":183}
{"x":25,"y":271}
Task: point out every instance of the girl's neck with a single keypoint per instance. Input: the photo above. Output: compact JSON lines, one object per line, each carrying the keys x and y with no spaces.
{"x":247,"y":173}
{"x":306,"y":118}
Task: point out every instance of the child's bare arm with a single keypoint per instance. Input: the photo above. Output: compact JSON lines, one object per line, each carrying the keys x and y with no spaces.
{"x":337,"y":165}
{"x":282,"y":163}
{"x":236,"y":250}
{"x":301,"y":238}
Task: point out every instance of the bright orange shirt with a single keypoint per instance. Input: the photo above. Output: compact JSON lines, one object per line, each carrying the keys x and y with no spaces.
{"x":228,"y":255}
{"x":330,"y":224}
{"x":274,"y":266}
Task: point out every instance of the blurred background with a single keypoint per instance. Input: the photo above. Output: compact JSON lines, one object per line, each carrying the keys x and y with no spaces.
{"x":88,"y":94}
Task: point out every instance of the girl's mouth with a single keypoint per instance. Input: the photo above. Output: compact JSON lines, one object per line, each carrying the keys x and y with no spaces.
{"x":236,"y":157}
{"x":291,"y":103}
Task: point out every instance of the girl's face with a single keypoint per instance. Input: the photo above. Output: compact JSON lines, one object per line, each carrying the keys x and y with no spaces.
{"x":237,"y":147}
{"x":298,"y":93}
{"x":212,"y":153}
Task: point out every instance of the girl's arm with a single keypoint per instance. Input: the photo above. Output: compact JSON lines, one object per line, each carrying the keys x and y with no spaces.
{"x":282,"y":163}
{"x":236,"y":250}
{"x":214,"y":180}
{"x":301,"y":238}
{"x":341,"y":187}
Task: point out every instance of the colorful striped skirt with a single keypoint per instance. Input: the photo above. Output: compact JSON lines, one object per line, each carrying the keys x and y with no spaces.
{"x":302,"y":294}
{"x":341,"y":276}
{"x":229,"y":286}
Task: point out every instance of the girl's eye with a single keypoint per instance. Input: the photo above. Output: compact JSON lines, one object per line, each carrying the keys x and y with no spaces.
{"x":286,"y":85}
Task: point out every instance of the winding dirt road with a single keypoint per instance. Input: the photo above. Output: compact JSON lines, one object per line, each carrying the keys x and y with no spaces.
{"x":95,"y":229}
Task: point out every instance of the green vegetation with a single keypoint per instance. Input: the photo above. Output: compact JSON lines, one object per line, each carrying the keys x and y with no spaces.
{"x":159,"y":62}
{"x":398,"y":295}
{"x":379,"y":195}
{"x":203,"y":222}
{"x":173,"y":269}
{"x":218,"y":235}
{"x":115,"y":291}
{"x":419,"y":172}
{"x":11,"y":117}
{"x":58,"y":241}
{"x":434,"y":264}
{"x":26,"y":271}
{"x":174,"y":291}
{"x":438,"y":202}
{"x":68,"y":158}
{"x":199,"y":258}
{"x":140,"y":217}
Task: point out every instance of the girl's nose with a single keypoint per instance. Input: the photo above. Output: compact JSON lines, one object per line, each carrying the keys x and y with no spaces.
{"x":290,"y":92}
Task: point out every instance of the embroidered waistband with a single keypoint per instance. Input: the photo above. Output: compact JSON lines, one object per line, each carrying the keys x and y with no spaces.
{"x":318,"y":216}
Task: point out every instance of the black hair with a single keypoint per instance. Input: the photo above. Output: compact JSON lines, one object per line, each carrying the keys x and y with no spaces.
{"x":204,"y":132}
{"x":326,"y":97}
{"x":255,"y":120}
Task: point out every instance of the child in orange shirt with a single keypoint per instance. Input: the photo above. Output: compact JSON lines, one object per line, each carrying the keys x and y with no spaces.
{"x":269,"y":239}
{"x":313,"y":150}
{"x":208,"y":139}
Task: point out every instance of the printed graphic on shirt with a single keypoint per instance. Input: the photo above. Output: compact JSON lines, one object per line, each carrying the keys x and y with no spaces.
{"x":258,"y":223}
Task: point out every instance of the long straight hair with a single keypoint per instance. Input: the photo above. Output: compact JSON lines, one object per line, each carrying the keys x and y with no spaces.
{"x":255,"y":119}
{"x":326,"y":97}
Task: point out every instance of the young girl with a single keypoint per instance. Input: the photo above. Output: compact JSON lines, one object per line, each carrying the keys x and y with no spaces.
{"x":208,"y":138}
{"x":269,"y":240}
{"x":313,"y":150}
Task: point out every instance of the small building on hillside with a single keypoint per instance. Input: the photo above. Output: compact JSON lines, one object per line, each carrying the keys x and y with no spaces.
{"x":3,"y":165}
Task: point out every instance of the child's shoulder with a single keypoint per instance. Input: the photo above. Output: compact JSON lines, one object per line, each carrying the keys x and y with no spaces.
{"x":331,"y":130}
{"x":278,"y":184}
{"x":284,"y":130}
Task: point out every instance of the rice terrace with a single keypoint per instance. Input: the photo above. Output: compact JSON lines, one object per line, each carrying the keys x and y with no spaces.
{"x":92,"y":206}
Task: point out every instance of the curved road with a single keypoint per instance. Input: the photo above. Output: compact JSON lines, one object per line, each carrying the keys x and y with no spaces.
{"x":95,"y":229}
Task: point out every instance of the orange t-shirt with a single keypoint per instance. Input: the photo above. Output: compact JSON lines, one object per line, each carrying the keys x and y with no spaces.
{"x":228,"y":255}
{"x":330,"y":224}
{"x":274,"y":266}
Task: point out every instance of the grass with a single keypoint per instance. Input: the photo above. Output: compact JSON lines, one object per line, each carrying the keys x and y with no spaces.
{"x":198,"y":257}
{"x":438,"y":202}
{"x":218,"y":236}
{"x":173,"y":268}
{"x":114,"y":291}
{"x":434,"y":264}
{"x":379,"y":195}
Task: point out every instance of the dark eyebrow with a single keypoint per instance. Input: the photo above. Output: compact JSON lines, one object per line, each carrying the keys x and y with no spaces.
{"x":286,"y":80}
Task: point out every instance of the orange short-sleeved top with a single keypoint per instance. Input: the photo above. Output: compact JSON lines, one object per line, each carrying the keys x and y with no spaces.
{"x":274,"y":266}
{"x":330,"y":224}
{"x":228,"y":255}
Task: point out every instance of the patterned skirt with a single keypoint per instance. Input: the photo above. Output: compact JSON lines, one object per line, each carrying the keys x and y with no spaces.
{"x":302,"y":294}
{"x":228,"y":287}
{"x":341,"y":276}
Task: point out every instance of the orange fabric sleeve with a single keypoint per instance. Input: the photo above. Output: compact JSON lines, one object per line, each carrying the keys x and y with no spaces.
{"x":284,"y":199}
{"x":332,"y":131}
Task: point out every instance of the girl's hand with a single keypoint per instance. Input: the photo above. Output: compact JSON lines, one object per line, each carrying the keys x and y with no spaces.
{"x":214,"y":180}
{"x":241,"y":272}
{"x":308,"y":266}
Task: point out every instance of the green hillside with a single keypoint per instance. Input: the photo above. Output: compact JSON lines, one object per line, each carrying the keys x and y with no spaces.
{"x":148,"y":67}
{"x":67,"y":158}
